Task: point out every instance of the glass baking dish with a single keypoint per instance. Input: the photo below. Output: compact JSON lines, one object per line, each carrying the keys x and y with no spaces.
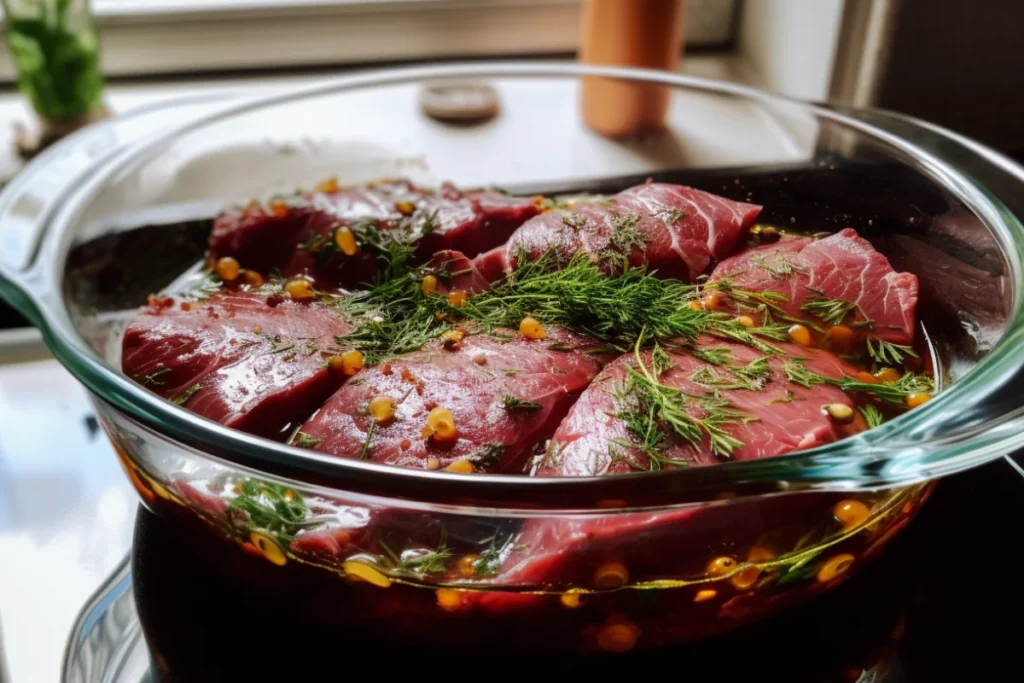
{"x":123,"y":209}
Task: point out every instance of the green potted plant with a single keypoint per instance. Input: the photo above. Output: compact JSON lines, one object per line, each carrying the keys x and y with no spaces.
{"x":55,"y":49}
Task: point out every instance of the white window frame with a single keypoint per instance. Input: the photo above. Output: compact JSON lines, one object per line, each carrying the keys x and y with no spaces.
{"x":146,"y":37}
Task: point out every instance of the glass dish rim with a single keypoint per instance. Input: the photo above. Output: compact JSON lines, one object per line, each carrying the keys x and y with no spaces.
{"x":863,"y":461}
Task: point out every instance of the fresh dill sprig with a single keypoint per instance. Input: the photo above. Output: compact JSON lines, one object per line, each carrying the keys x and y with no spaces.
{"x":270,"y":507}
{"x":756,"y":372}
{"x":513,"y":403}
{"x":207,"y":284}
{"x":364,"y":454}
{"x":303,"y":440}
{"x":829,"y":311}
{"x":420,"y":560}
{"x":891,"y":392}
{"x":716,"y":356}
{"x":186,"y":396}
{"x":615,"y":310}
{"x":493,"y":556}
{"x":651,"y":407}
{"x":888,"y":353}
{"x":151,"y":378}
{"x":780,"y":268}
{"x":487,"y":455}
{"x":574,"y":221}
{"x":788,"y":397}
{"x":624,"y":239}
{"x":776,"y":331}
{"x":671,"y":216}
{"x":872,"y":415}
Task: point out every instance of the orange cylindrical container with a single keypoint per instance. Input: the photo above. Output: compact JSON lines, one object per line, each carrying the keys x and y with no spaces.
{"x":638,"y":33}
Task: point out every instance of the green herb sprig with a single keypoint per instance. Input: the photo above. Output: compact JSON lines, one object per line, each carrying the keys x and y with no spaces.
{"x":888,"y":353}
{"x":894,"y":392}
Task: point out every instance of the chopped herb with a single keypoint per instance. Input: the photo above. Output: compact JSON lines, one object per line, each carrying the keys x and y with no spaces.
{"x":151,"y":378}
{"x":615,"y":310}
{"x":779,"y":268}
{"x":716,"y":356}
{"x":560,"y":346}
{"x":651,"y":407}
{"x":756,"y":372}
{"x":800,"y":570}
{"x":422,"y":560}
{"x":208,"y":284}
{"x":829,"y":311}
{"x":888,"y":353}
{"x":872,"y":415}
{"x":789,"y":397}
{"x":623,"y":241}
{"x":271,"y":507}
{"x":660,"y":360}
{"x":280,"y":346}
{"x":512,"y":403}
{"x":778,"y":332}
{"x":511,"y":372}
{"x":487,"y":455}
{"x":429,"y":225}
{"x":314,"y":242}
{"x":671,"y":216}
{"x":493,"y":557}
{"x":303,"y":440}
{"x":365,"y":453}
{"x":892,"y":392}
{"x":184,"y":397}
{"x":574,"y":221}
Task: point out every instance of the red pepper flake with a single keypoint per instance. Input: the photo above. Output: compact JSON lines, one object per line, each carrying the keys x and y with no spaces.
{"x":159,"y":302}
{"x":256,"y":329}
{"x":405,"y":445}
{"x":185,"y":306}
{"x":430,"y":405}
{"x":386,"y":368}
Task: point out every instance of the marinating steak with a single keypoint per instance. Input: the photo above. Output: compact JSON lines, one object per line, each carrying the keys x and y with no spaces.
{"x":840,"y":277}
{"x":504,"y":393}
{"x":768,"y":414}
{"x":672,"y":229}
{"x":235,"y":358}
{"x":773,"y":416}
{"x":298,"y":235}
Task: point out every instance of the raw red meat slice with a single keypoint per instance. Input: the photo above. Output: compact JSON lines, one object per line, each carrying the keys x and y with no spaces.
{"x":235,"y":358}
{"x":295,"y":235}
{"x":656,"y":544}
{"x":843,"y":266}
{"x":673,"y":229}
{"x":789,"y":416}
{"x":506,"y":394}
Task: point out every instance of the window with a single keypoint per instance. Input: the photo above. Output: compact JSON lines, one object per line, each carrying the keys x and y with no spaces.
{"x":187,"y":36}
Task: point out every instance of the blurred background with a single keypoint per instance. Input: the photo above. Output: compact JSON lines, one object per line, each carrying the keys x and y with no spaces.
{"x":65,"y":513}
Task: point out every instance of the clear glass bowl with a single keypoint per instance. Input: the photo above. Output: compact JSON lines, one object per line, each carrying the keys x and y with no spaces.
{"x":121,"y":210}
